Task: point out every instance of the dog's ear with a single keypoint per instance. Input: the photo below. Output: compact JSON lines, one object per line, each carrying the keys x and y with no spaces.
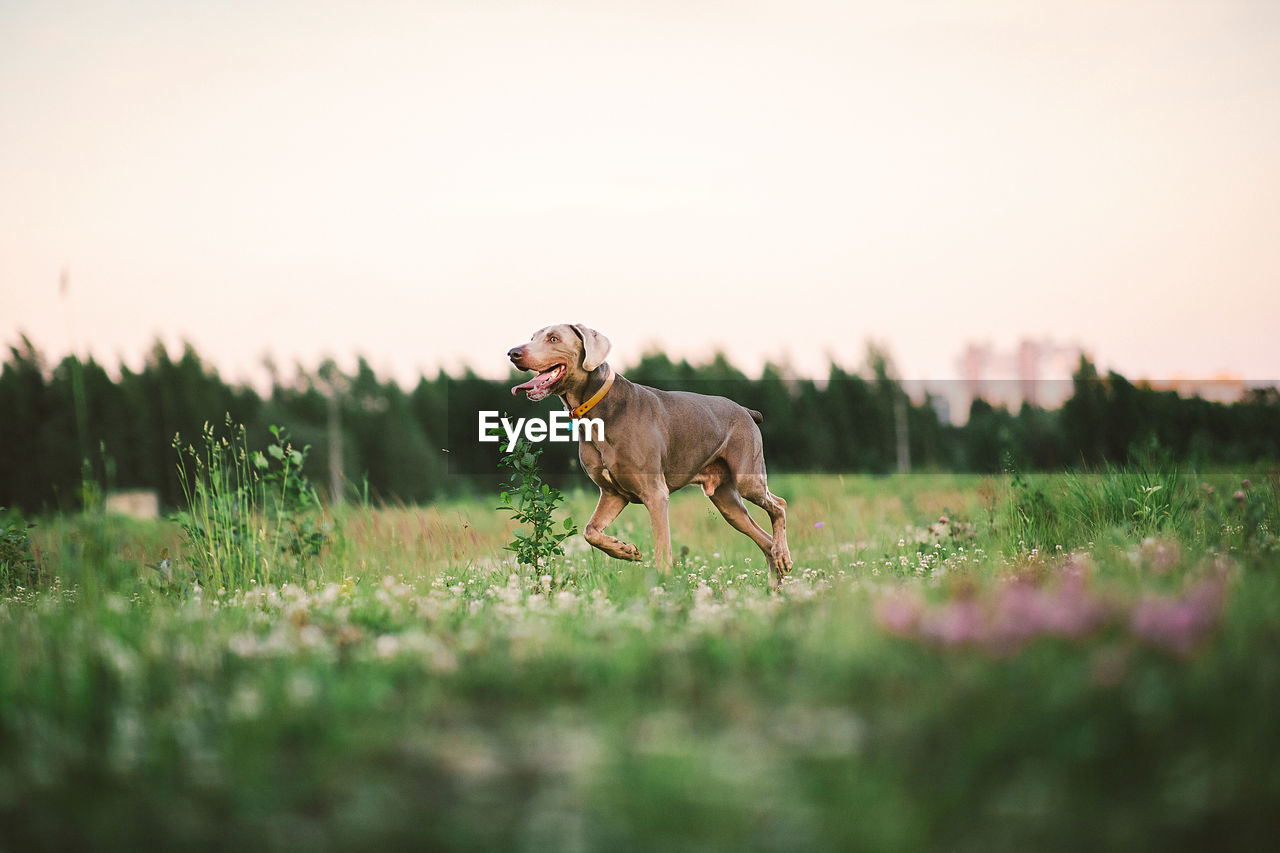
{"x":595,"y":346}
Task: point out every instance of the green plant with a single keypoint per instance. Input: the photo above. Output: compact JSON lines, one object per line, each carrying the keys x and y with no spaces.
{"x":18,"y":566}
{"x":1245,"y":521}
{"x":1147,"y":508}
{"x":1031,"y":517}
{"x":245,"y":510}
{"x":293,"y":497}
{"x":533,"y":502}
{"x":1146,"y":497}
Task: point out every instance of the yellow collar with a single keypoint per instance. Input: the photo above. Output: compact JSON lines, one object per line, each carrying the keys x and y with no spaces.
{"x":595,"y":398}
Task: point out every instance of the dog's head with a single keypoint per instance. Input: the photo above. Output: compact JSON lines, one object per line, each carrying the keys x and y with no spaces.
{"x":561,"y":356}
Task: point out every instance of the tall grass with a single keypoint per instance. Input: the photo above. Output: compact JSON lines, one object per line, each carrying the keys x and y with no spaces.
{"x":1152,"y":496}
{"x":251,"y":517}
{"x":1147,"y":497}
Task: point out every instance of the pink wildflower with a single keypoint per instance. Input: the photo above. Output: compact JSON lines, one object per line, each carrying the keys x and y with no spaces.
{"x":899,"y":612}
{"x":955,"y":623}
{"x":1179,"y":623}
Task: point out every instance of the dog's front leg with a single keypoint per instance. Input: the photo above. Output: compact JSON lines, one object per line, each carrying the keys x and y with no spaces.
{"x":607,"y":509}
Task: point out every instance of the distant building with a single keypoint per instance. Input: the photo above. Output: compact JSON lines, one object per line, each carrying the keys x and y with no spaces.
{"x":1219,"y":388}
{"x":1039,"y":372}
{"x":1036,"y":371}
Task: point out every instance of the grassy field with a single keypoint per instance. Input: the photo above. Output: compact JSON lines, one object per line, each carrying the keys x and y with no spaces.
{"x":1005,"y":663}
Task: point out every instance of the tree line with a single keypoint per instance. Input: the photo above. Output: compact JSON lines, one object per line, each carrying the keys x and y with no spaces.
{"x":73,"y":423}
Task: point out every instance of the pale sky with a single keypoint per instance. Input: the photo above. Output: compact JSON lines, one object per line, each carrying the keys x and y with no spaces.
{"x":426,"y":183}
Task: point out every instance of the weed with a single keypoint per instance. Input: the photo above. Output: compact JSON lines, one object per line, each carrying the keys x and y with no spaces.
{"x":533,"y":502}
{"x":245,"y":511}
{"x":294,"y":498}
{"x":1145,"y":498}
{"x":1245,"y":521}
{"x":1030,"y":515}
{"x":18,"y":566}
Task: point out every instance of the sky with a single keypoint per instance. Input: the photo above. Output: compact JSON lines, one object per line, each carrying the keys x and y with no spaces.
{"x":426,"y":183}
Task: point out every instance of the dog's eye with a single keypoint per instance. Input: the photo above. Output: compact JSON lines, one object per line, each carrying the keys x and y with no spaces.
{"x":553,"y":340}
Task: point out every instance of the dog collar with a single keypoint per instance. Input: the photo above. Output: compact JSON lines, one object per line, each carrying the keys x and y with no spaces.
{"x":590,"y":403}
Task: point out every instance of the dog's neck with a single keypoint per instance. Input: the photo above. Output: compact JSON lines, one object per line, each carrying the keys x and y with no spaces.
{"x":575,"y":397}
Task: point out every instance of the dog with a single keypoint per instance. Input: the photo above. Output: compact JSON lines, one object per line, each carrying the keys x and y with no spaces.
{"x":655,"y":442}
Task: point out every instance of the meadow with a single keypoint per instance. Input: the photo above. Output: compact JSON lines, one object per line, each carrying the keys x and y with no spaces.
{"x":1055,"y":662}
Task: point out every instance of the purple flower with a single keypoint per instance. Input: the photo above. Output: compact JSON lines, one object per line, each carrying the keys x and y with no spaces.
{"x":1003,"y":620}
{"x":898,"y":613}
{"x":818,"y":525}
{"x":1179,"y":623}
{"x":954,"y":623}
{"x":1024,"y":611}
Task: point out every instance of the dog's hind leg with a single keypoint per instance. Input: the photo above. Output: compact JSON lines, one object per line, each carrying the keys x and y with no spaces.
{"x":657,"y":501}
{"x":729,"y":502}
{"x":755,"y":488}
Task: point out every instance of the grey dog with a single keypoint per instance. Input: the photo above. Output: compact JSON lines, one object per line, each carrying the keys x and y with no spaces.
{"x":655,"y":442}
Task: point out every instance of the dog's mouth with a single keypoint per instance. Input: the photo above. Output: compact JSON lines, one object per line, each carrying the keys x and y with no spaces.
{"x":540,"y":386}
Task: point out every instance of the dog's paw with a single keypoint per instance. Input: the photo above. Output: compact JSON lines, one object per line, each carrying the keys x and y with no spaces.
{"x":781,"y":561}
{"x":629,"y":552}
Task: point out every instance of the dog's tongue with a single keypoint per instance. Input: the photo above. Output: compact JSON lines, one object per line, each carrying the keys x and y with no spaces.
{"x":527,"y":386}
{"x":538,"y":384}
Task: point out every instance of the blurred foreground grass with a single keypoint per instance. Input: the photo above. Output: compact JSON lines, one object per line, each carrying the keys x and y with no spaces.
{"x":958,"y":662}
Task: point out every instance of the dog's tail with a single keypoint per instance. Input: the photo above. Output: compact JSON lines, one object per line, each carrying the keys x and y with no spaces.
{"x":755,"y":416}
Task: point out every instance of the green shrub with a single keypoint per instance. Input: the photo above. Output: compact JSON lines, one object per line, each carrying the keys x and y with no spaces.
{"x":533,"y":502}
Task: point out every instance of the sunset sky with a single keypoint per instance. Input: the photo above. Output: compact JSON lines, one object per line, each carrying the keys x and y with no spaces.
{"x":426,"y":183}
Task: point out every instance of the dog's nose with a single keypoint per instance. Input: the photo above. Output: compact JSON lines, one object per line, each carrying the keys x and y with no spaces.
{"x":515,"y":352}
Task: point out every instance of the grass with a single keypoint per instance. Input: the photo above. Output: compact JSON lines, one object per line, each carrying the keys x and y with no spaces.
{"x":918,"y":683}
